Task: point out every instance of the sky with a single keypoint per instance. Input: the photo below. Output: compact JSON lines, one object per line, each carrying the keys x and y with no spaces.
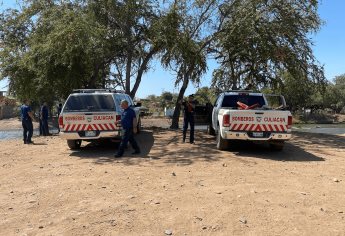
{"x":328,"y":48}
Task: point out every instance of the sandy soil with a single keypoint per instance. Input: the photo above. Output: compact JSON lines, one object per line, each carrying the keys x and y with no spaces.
{"x":173,"y":187}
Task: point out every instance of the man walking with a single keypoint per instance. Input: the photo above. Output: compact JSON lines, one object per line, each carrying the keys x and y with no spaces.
{"x":188,"y":108}
{"x":27,"y":118}
{"x":129,"y":126}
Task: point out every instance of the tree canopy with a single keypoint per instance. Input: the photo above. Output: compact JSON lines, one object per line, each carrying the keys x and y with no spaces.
{"x":49,"y":48}
{"x":260,"y":39}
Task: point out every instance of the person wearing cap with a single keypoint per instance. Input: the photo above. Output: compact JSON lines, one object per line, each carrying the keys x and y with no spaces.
{"x":129,"y":128}
{"x":188,"y":111}
{"x":27,"y":118}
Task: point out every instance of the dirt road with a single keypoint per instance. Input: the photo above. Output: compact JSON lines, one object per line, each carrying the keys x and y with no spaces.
{"x":173,"y":187}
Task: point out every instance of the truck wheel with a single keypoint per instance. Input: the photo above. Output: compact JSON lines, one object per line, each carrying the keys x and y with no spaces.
{"x":277,"y":145}
{"x":222,"y":144}
{"x":139,"y":126}
{"x":210,"y":130}
{"x":74,"y":144}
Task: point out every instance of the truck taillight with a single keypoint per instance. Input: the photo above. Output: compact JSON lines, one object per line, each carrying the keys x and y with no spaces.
{"x":60,"y":121}
{"x":118,"y":119}
{"x":226,"y":120}
{"x":289,"y":122}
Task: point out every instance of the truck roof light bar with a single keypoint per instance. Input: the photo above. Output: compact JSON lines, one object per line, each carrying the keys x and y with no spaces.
{"x":97,"y":90}
{"x":237,"y":91}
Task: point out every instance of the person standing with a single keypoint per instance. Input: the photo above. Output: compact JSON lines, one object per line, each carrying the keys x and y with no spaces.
{"x":188,"y":111}
{"x":59,"y":109}
{"x":27,"y":118}
{"x":44,"y":119}
{"x":129,"y":128}
{"x":40,"y":124}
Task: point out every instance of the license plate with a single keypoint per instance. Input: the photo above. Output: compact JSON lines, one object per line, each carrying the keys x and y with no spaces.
{"x":90,"y":133}
{"x":258,"y":134}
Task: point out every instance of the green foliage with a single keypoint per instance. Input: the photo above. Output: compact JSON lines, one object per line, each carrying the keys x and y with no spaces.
{"x":334,"y":96}
{"x":260,"y":38}
{"x":205,"y":95}
{"x":49,"y":48}
{"x":61,"y":51}
{"x":297,"y":91}
{"x":158,"y":103}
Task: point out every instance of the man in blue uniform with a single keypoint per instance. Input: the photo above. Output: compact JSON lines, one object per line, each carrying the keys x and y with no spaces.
{"x":27,"y":117}
{"x":128,"y":127}
{"x":188,"y":108}
{"x":44,"y":118}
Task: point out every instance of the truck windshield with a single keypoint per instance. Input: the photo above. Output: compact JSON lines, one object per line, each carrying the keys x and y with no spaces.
{"x":90,"y":102}
{"x":249,"y":100}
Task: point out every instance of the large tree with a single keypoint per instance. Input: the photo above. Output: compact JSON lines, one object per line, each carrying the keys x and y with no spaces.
{"x":186,"y":54}
{"x":137,"y":26}
{"x":49,"y":48}
{"x":259,"y":39}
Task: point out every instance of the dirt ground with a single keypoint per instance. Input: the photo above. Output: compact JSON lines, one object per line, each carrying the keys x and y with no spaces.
{"x":172,"y":188}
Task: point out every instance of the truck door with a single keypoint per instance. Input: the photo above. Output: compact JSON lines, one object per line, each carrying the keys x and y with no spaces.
{"x":215,"y":112}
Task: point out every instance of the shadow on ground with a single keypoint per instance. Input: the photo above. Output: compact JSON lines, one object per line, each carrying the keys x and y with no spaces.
{"x":294,"y":149}
{"x":104,"y":151}
{"x":166,"y":145}
{"x":205,"y":150}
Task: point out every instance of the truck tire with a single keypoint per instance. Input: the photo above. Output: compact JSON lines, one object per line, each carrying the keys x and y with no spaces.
{"x":222,"y":144}
{"x":210,"y":130}
{"x":277,"y":145}
{"x":74,"y":144}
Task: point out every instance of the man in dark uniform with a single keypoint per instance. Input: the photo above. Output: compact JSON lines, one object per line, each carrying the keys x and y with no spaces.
{"x":128,"y":126}
{"x":44,"y":118}
{"x":188,"y":109}
{"x":27,"y":117}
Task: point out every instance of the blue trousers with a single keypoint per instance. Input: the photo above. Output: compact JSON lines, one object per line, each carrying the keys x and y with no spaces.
{"x":45,"y":129}
{"x":127,"y":136}
{"x":188,"y":119}
{"x":27,"y":130}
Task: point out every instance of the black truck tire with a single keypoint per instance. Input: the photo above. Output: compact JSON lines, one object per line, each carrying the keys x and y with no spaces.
{"x":210,"y":130}
{"x":277,"y":145}
{"x":139,"y":126}
{"x":74,"y":144}
{"x":222,"y":144}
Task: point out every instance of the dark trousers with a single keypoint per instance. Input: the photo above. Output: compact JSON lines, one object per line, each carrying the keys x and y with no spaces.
{"x":27,"y":130}
{"x":45,"y":129}
{"x":127,"y":136}
{"x":188,"y":119}
{"x":41,"y":126}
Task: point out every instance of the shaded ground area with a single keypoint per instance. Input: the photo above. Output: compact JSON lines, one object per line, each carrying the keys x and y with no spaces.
{"x":47,"y":189}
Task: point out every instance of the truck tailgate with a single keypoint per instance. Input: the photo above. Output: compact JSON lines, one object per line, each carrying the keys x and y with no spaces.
{"x":103,"y":121}
{"x":255,"y":120}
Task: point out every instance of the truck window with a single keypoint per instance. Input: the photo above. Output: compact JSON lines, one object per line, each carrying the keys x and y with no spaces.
{"x":129,"y":100}
{"x":90,"y":102}
{"x":249,"y":100}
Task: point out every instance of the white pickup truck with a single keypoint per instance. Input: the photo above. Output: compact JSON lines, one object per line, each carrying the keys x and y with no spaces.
{"x":244,"y":115}
{"x":92,"y":114}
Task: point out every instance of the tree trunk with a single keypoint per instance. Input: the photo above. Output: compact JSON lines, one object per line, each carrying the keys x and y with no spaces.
{"x":141,"y":70}
{"x":176,"y":116}
{"x":92,"y":81}
{"x":128,"y":72}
